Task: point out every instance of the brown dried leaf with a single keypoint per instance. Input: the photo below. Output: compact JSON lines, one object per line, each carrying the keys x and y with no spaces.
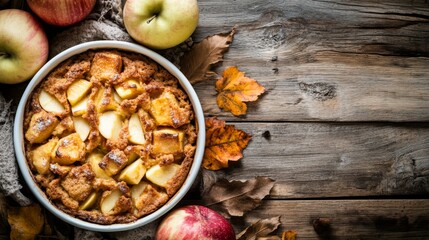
{"x":234,"y":198}
{"x":235,"y":89}
{"x":208,"y":179}
{"x":223,"y":143}
{"x":197,"y":63}
{"x":25,"y":222}
{"x":289,"y":235}
{"x":260,"y":229}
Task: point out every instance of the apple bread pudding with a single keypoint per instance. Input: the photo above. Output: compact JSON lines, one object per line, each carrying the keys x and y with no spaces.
{"x":109,"y":136}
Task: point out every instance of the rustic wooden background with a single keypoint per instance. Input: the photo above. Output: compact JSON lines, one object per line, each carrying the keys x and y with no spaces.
{"x":344,"y":125}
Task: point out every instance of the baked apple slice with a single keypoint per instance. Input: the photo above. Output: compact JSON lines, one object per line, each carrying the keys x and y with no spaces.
{"x":110,"y":125}
{"x":77,"y":90}
{"x":137,"y":190}
{"x":135,"y":129}
{"x":116,"y":97}
{"x":133,"y":173}
{"x":108,"y":202}
{"x":160,"y":175}
{"x":89,"y":202}
{"x":82,"y":127}
{"x":94,"y":160}
{"x":129,"y":89}
{"x":81,"y":107}
{"x":50,"y":103}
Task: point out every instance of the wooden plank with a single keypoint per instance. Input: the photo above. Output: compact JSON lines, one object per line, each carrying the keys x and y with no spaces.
{"x":317,"y":160}
{"x":325,"y":60}
{"x":350,"y":219}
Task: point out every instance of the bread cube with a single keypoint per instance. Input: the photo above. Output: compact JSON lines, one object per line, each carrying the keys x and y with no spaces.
{"x":113,"y":162}
{"x":42,"y":124}
{"x":106,"y":66}
{"x":167,"y":141}
{"x":165,"y":109}
{"x":41,"y":156}
{"x":68,"y":150}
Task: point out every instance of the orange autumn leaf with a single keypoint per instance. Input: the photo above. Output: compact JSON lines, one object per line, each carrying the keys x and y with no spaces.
{"x":289,"y":235}
{"x":235,"y":89}
{"x":25,"y":222}
{"x":224,"y":143}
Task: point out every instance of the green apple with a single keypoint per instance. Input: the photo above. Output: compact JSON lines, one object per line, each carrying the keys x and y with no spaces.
{"x":23,"y":46}
{"x":160,"y":24}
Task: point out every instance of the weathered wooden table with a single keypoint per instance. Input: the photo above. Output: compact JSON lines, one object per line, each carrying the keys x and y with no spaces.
{"x":347,"y":109}
{"x":344,"y":125}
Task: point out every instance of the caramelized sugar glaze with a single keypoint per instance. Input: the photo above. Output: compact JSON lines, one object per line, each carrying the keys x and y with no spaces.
{"x":109,"y":136}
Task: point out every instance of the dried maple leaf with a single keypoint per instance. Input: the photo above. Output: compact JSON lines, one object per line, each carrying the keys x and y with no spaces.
{"x":197,"y":63}
{"x":235,"y":89}
{"x":223,"y":143}
{"x":260,"y":229}
{"x":234,"y":198}
{"x":289,"y":235}
{"x":213,"y":123}
{"x":25,"y":222}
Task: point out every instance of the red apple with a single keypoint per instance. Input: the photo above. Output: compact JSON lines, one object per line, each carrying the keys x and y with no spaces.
{"x":194,"y":222}
{"x":23,"y":46}
{"x":61,"y":12}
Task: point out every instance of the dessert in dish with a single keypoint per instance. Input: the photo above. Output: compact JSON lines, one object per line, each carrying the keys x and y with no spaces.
{"x":109,"y":136}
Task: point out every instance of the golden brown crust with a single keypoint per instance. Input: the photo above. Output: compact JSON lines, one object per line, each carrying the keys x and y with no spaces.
{"x":56,"y":192}
{"x":64,"y":128}
{"x":78,"y":182}
{"x":123,"y":83}
{"x":151,"y":199}
{"x":57,"y":169}
{"x":178,"y":179}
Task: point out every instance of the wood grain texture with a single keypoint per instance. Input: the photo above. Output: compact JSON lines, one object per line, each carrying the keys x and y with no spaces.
{"x":325,"y":60}
{"x":335,"y":72}
{"x":350,"y":219}
{"x":318,"y":160}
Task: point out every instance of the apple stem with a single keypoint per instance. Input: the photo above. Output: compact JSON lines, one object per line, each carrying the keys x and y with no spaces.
{"x":3,"y":55}
{"x":150,"y":19}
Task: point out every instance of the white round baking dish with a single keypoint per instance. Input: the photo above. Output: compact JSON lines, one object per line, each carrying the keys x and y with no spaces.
{"x":19,"y":134}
